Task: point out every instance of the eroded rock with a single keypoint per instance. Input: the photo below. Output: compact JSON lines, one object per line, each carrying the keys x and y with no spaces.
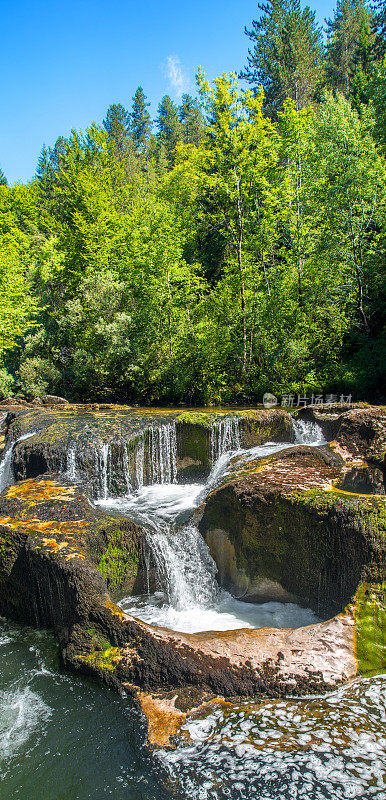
{"x":280,"y":530}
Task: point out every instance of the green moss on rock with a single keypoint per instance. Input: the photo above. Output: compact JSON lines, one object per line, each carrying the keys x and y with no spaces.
{"x":119,"y":563}
{"x":370,"y":624}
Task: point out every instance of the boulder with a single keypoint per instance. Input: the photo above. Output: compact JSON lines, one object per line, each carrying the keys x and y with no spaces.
{"x":280,"y":529}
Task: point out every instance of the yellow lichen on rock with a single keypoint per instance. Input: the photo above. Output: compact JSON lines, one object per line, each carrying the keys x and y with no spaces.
{"x":164,"y":720}
{"x":39,"y":491}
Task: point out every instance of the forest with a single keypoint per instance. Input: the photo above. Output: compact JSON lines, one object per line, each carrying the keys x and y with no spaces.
{"x":232,"y":246}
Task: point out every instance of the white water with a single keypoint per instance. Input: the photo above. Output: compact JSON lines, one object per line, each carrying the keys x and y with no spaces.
{"x":314,"y":748}
{"x":224,"y":437}
{"x":163,"y":453}
{"x":189,"y":598}
{"x":6,"y":474}
{"x":21,"y":713}
{"x":308,"y":432}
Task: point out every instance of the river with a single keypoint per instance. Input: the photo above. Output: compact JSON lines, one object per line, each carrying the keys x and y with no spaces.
{"x":66,"y":738}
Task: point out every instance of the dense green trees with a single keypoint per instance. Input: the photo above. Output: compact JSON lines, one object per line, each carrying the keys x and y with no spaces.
{"x":348,"y":44}
{"x":287,"y":56}
{"x":140,"y":121}
{"x":238,"y":248}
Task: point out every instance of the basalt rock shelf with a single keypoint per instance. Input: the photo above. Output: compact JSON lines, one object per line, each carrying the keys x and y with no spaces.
{"x":278,"y":526}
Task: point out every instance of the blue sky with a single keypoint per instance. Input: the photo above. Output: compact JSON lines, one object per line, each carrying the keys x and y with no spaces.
{"x":63,"y":63}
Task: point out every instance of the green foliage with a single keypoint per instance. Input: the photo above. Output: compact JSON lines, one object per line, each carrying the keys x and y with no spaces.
{"x":17,"y":306}
{"x":232,"y":252}
{"x":117,"y":127}
{"x":38,"y":377}
{"x":6,"y":383}
{"x":140,"y":120}
{"x":169,"y":128}
{"x":287,"y":55}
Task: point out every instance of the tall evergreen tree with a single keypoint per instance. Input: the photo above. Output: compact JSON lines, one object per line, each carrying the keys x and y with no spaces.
{"x":169,"y":127}
{"x":117,"y":127}
{"x":191,"y":119}
{"x":363,"y":64}
{"x":347,"y":32}
{"x":380,"y":29}
{"x":3,"y":180}
{"x":287,"y":54}
{"x":140,"y":120}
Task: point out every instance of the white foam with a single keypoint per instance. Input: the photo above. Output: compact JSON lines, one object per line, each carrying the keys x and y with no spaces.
{"x":226,"y":614}
{"x":161,"y":500}
{"x":324,"y":748}
{"x":21,"y":713}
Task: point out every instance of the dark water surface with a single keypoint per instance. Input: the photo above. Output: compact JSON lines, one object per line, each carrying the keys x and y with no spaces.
{"x":66,"y":738}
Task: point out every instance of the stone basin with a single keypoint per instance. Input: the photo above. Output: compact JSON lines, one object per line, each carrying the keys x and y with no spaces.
{"x":278,"y":528}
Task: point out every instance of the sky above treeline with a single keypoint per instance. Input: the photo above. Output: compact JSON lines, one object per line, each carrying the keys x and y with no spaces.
{"x":63,"y":64}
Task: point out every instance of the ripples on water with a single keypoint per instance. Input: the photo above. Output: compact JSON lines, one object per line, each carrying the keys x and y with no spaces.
{"x":326,"y":748}
{"x":64,"y":738}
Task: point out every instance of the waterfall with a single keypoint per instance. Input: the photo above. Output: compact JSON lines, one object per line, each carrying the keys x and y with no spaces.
{"x":139,"y":462}
{"x":163,"y":453}
{"x":127,"y":468}
{"x":104,"y":460}
{"x":71,"y":464}
{"x":6,"y":474}
{"x":307,"y":432}
{"x":224,"y":437}
{"x":184,"y":565}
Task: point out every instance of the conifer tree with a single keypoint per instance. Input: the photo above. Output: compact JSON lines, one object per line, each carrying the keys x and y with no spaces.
{"x":347,"y":34}
{"x":3,"y":180}
{"x":191,"y":119}
{"x":140,"y":121}
{"x":117,"y":127}
{"x":380,"y":29}
{"x":169,"y":127}
{"x":287,"y":55}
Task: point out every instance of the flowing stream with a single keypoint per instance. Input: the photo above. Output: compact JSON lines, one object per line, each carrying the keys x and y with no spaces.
{"x":66,"y":738}
{"x":188,"y":597}
{"x":6,"y":473}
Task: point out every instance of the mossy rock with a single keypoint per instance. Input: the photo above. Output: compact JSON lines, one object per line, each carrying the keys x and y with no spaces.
{"x":281,"y":531}
{"x":370,"y":624}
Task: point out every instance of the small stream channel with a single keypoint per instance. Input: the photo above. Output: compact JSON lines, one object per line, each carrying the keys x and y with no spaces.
{"x":188,"y":597}
{"x":67,"y":738}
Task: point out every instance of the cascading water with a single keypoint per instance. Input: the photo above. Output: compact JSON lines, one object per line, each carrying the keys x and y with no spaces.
{"x":6,"y":474}
{"x":224,"y":437}
{"x":311,"y":748}
{"x":151,"y":460}
{"x":103,"y":460}
{"x":189,"y":598}
{"x":163,"y":453}
{"x":307,"y":432}
{"x":185,"y":567}
{"x":139,"y":462}
{"x":71,"y":464}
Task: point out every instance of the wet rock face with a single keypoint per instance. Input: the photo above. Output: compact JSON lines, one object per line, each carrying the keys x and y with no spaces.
{"x":278,"y":528}
{"x":362,"y":432}
{"x":56,"y":551}
{"x":53,"y":548}
{"x":282,"y":532}
{"x":75,"y":436}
